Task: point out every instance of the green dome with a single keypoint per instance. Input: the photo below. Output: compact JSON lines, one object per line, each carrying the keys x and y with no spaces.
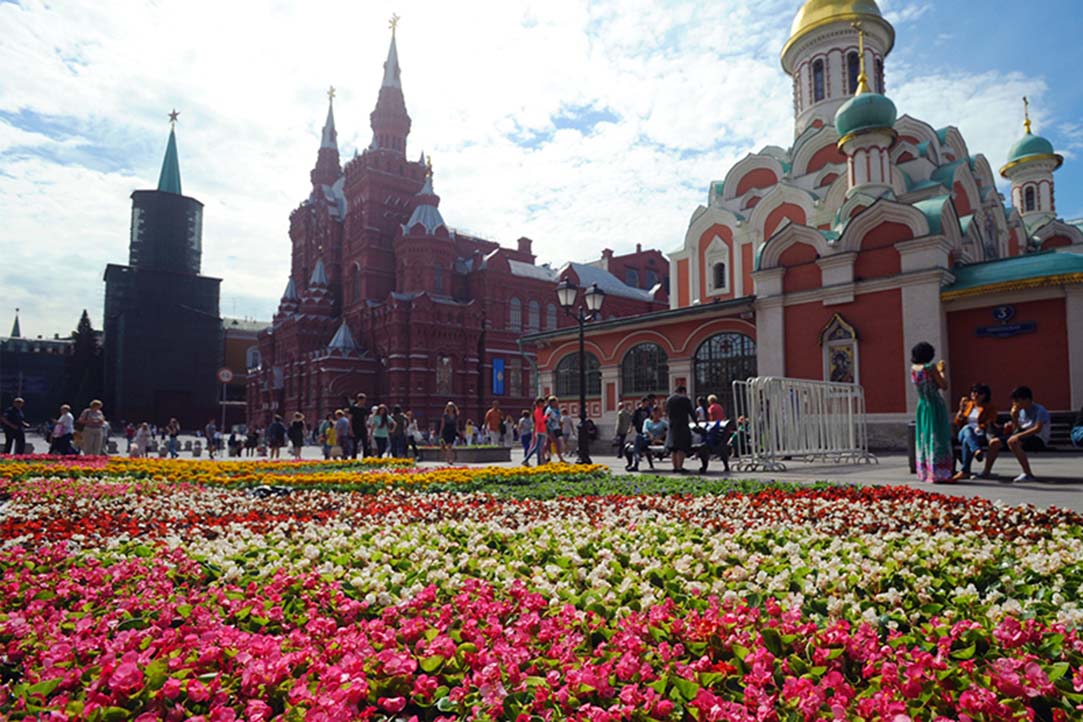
{"x":867,"y":111}
{"x":1030,"y":145}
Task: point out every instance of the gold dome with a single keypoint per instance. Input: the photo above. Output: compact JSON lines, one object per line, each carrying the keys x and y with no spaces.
{"x":817,"y":13}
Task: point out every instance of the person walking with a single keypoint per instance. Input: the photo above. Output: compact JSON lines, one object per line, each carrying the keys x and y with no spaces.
{"x":397,"y":434}
{"x":381,"y":430}
{"x":524,"y":431}
{"x":449,"y":432}
{"x":932,"y":431}
{"x":210,"y":431}
{"x":359,"y":418}
{"x":624,"y":425}
{"x":413,"y":435}
{"x":15,"y":426}
{"x":494,"y":421}
{"x":554,"y":428}
{"x":93,"y":422}
{"x":64,"y":432}
{"x":276,"y":437}
{"x":296,"y":434}
{"x":540,"y":433}
{"x":172,"y":430}
{"x":321,"y":435}
{"x":342,"y":439}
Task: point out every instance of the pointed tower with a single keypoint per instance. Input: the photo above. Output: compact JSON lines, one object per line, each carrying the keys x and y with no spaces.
{"x":823,"y":58}
{"x":327,"y":169}
{"x":390,"y":122}
{"x":317,"y":300}
{"x":167,"y":227}
{"x":169,"y":180}
{"x":425,"y":255}
{"x":1030,"y":166}
{"x":290,"y":302}
{"x":16,"y":332}
{"x":866,"y":127}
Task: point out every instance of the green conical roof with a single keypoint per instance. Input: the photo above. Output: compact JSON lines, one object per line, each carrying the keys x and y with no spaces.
{"x":169,"y":181}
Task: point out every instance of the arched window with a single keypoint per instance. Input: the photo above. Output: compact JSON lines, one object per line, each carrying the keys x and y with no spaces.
{"x":533,"y":319}
{"x":644,"y":370}
{"x":355,"y":284}
{"x":817,"y":81}
{"x":717,"y":259}
{"x":853,"y":69}
{"x":879,"y":65}
{"x":652,"y":279}
{"x":721,"y":360}
{"x":515,"y":315}
{"x":718,"y":276}
{"x":252,"y":357}
{"x":551,"y":317}
{"x":1029,"y":203}
{"x":438,"y":279}
{"x":567,"y":373}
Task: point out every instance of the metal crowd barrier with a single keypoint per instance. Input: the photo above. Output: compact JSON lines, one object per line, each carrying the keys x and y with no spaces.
{"x":782,"y":419}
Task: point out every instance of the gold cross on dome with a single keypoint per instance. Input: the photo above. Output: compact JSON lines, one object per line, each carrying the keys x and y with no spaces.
{"x":862,"y":78}
{"x":331,"y":93}
{"x":173,"y":117}
{"x":394,"y":23}
{"x":1026,"y":114}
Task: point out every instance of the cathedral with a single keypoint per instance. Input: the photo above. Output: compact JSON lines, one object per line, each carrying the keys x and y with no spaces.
{"x":385,"y":298}
{"x":831,"y":257}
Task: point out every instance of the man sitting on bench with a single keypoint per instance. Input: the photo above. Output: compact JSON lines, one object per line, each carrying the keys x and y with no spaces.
{"x":1028,"y":430}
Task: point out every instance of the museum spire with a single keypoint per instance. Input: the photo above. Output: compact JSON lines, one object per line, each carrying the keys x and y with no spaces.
{"x":390,"y":122}
{"x":330,"y":136}
{"x":16,"y":332}
{"x":169,"y":180}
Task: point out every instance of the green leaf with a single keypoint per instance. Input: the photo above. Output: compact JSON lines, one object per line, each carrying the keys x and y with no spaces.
{"x":772,"y":640}
{"x":1057,"y":671}
{"x":110,"y":714}
{"x":686,"y":688}
{"x":46,"y":687}
{"x":432,"y":663}
{"x":964,"y":653}
{"x":184,"y":610}
{"x":156,"y":673}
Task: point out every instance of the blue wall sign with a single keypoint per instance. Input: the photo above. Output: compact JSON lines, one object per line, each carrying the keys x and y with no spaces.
{"x":498,"y":377}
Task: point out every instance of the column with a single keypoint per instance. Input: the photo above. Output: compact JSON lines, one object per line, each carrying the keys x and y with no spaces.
{"x":1073,"y":312}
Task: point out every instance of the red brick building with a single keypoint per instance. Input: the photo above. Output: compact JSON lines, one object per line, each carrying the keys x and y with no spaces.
{"x":384,"y":297}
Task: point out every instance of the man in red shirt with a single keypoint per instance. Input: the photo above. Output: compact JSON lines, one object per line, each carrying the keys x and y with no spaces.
{"x":493,"y":419}
{"x":715,"y":412}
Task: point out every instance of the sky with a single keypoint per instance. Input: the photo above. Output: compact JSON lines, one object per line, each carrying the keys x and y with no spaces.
{"x":583,"y":125}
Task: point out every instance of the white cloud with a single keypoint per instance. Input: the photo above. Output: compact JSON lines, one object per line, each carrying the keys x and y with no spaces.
{"x":693,"y":86}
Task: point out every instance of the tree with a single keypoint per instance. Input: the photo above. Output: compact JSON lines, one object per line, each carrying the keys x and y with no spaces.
{"x":85,"y":371}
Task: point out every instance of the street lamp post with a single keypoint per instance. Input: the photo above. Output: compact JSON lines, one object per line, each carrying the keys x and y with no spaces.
{"x":567,"y":293}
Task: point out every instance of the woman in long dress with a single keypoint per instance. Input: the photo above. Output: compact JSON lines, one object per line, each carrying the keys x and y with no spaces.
{"x":932,"y":432}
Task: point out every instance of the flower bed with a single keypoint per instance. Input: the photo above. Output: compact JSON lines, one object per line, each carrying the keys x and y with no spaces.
{"x":540,"y":595}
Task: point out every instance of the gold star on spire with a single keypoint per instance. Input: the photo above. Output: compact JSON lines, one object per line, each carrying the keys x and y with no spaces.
{"x":394,"y":23}
{"x":173,"y":117}
{"x":331,"y":93}
{"x":1026,"y":114}
{"x":862,"y":78}
{"x":428,"y":165}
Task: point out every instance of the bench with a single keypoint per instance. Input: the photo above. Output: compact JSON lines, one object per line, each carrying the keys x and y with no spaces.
{"x":705,"y":444}
{"x":1060,"y":437}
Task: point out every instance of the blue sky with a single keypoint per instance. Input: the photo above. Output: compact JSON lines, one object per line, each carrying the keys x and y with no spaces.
{"x":580,"y":124}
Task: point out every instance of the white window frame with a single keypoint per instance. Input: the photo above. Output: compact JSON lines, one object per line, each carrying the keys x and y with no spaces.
{"x":718,"y":252}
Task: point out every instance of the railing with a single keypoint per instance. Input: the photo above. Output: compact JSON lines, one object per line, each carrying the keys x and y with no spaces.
{"x":781,"y":419}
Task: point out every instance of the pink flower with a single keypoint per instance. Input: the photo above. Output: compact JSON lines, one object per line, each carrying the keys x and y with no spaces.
{"x":197,"y":691}
{"x":126,"y":678}
{"x":258,"y":711}
{"x":392,"y":704}
{"x":172,"y":688}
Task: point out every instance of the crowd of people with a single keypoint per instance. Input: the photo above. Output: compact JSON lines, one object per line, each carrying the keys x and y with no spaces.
{"x":975,"y":426}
